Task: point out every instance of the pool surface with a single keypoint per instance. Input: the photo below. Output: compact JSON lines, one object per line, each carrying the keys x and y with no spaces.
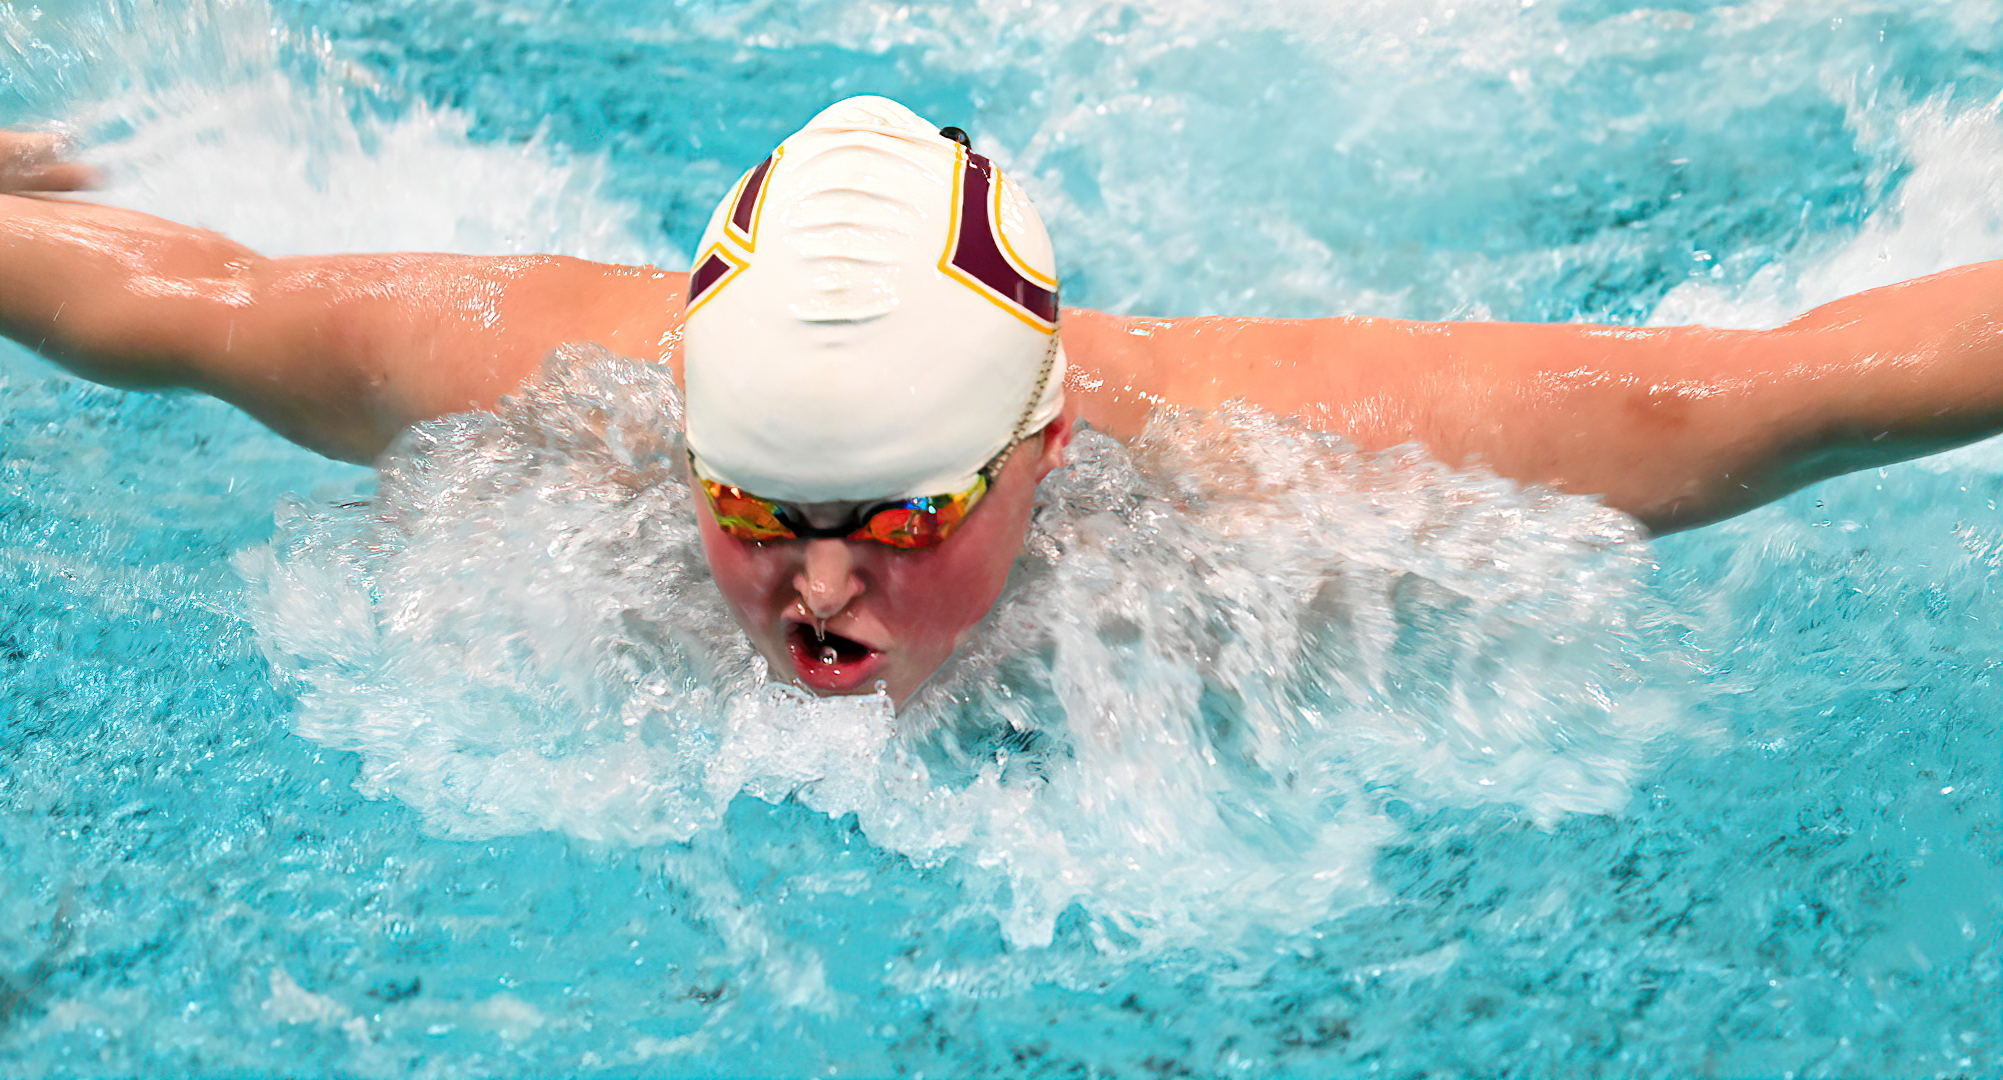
{"x":1277,"y":759}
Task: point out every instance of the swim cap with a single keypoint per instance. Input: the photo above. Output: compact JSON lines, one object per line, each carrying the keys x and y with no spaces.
{"x":872,"y":314}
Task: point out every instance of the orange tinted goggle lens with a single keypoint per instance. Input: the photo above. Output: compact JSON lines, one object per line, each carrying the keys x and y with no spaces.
{"x":920,"y":523}
{"x":743,"y":516}
{"x":911,"y":524}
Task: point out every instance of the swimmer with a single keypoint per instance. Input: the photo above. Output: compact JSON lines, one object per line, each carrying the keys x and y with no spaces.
{"x":877,"y":373}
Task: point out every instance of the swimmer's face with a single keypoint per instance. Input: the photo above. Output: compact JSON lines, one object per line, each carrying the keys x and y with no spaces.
{"x":891,"y":616}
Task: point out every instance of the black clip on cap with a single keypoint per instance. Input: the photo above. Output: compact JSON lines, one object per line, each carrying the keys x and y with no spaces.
{"x":957,"y":136}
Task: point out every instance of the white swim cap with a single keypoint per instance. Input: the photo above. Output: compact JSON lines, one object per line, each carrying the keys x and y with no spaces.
{"x":872,"y":314}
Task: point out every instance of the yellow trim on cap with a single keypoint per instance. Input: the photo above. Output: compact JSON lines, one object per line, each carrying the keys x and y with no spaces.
{"x":947,"y":268}
{"x":737,"y":266}
{"x":749,"y":241}
{"x":1008,"y":250}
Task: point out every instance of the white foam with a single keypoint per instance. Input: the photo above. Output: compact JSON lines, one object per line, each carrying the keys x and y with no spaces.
{"x":1947,"y":212}
{"x":1225,"y":651}
{"x":214,"y":114}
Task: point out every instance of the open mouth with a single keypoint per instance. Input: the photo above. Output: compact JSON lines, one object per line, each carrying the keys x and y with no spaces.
{"x":825,"y":660}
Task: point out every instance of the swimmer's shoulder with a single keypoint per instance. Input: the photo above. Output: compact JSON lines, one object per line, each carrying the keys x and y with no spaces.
{"x":502,"y":317}
{"x":1123,"y":366}
{"x":631,"y":311}
{"x":340,"y":353}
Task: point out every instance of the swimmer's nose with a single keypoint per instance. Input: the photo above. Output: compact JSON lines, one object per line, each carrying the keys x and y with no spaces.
{"x":827,"y":580}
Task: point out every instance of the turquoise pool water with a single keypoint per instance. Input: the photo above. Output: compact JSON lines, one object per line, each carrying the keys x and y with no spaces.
{"x":1278,"y":760}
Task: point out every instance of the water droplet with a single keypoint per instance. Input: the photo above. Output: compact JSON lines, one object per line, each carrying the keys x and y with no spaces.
{"x":820,"y":629}
{"x":829,"y":655}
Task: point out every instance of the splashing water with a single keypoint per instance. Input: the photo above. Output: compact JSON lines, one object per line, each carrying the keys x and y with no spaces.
{"x":191,"y":105}
{"x":1277,"y":759}
{"x":1229,"y":645}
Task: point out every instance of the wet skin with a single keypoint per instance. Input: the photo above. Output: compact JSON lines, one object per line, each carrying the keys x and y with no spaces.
{"x":888,"y":615}
{"x":1678,"y":426}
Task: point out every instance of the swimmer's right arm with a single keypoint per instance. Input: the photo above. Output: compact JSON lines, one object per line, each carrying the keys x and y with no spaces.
{"x":336,"y":353}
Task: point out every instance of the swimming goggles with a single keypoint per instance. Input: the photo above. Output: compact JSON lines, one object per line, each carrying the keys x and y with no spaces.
{"x":911,"y":524}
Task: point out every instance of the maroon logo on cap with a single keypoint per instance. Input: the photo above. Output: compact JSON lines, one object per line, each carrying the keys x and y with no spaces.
{"x":977,"y":253}
{"x":711,"y":272}
{"x":719,"y":264}
{"x":743,"y":223}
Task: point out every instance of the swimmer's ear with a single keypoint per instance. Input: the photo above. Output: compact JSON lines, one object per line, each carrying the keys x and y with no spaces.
{"x":1056,"y":438}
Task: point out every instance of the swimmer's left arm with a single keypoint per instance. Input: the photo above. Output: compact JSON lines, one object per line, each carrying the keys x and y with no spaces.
{"x":1679,"y":426}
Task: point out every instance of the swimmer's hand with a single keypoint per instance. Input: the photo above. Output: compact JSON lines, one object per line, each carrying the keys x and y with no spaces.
{"x":36,"y":161}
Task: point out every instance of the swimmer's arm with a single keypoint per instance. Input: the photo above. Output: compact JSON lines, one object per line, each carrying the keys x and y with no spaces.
{"x":1678,"y":426}
{"x":336,"y":353}
{"x":38,"y":161}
